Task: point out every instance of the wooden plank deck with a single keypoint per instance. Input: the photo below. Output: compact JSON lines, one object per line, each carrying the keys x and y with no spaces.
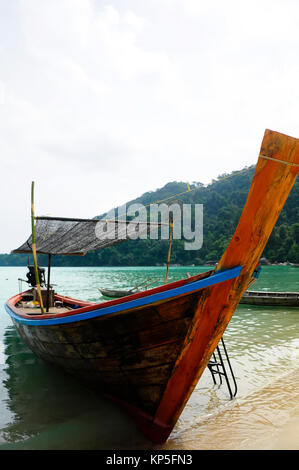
{"x":37,"y":311}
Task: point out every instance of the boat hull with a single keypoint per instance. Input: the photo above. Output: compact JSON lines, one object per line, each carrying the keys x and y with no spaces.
{"x":130,"y":359}
{"x":271,"y":299}
{"x":125,"y":348}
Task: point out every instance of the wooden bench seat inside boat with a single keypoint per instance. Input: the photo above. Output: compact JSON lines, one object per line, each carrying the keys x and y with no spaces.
{"x":36,"y":310}
{"x":26,"y":305}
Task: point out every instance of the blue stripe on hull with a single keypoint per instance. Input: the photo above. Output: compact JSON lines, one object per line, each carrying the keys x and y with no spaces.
{"x":216,"y":278}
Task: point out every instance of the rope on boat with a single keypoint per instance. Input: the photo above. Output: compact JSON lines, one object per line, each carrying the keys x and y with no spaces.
{"x":279,"y":161}
{"x":189,"y":190}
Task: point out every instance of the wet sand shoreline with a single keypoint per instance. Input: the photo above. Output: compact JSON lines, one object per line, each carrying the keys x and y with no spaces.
{"x":267,"y":419}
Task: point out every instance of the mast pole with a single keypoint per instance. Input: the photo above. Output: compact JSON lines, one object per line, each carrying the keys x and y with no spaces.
{"x":34,"y":250}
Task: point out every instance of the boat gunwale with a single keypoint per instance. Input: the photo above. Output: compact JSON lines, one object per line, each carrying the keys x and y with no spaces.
{"x":86,"y":304}
{"x":141,"y":299}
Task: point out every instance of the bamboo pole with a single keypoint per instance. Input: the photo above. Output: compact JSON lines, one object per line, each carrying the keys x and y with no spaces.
{"x":169,"y":251}
{"x":34,"y":250}
{"x":48,"y":284}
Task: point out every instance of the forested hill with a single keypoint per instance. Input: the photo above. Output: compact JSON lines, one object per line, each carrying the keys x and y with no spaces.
{"x":223,"y":201}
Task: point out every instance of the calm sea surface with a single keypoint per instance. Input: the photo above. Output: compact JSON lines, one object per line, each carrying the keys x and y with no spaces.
{"x":41,"y":408}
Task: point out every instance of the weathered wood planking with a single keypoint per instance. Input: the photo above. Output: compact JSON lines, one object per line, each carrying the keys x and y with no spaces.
{"x":138,"y":352}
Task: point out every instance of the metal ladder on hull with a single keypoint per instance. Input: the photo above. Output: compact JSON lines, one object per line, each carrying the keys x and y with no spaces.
{"x":217,"y":368}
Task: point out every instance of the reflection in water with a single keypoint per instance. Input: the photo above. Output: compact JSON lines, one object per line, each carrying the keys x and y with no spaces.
{"x":53,"y":410}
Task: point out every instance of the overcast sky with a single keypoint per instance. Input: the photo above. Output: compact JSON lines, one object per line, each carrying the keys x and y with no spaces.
{"x":103,"y":100}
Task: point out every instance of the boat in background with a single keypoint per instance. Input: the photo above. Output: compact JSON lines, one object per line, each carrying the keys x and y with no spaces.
{"x":148,"y":350}
{"x":272,"y":299}
{"x":117,"y":293}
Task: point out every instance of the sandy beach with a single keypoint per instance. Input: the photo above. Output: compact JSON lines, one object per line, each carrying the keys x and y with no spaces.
{"x":267,"y":419}
{"x":288,"y":436}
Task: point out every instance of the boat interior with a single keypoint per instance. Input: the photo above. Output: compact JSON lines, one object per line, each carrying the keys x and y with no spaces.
{"x":28,"y":302}
{"x":30,"y":305}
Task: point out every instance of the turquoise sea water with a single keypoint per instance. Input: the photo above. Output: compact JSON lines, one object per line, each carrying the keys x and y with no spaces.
{"x":42,"y":408}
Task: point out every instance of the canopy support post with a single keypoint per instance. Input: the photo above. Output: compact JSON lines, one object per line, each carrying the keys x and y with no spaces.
{"x":33,"y":247}
{"x":48,"y":282}
{"x":169,"y":251}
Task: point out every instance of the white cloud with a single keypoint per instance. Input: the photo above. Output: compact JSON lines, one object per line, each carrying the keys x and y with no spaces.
{"x":103,"y":100}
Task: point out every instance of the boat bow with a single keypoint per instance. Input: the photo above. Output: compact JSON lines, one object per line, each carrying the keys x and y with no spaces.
{"x":275,"y":174}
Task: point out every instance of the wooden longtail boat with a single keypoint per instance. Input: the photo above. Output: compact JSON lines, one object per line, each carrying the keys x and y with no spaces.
{"x":147,"y":351}
{"x":273,"y":299}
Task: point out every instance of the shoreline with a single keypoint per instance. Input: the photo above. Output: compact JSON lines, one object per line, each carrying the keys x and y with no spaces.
{"x":267,"y":419}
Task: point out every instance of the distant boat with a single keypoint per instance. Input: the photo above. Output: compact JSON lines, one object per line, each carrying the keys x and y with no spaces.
{"x":117,"y":293}
{"x":279,"y":299}
{"x":148,"y":350}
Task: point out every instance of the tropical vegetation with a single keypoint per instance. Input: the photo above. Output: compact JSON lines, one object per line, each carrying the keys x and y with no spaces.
{"x":223,"y":201}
